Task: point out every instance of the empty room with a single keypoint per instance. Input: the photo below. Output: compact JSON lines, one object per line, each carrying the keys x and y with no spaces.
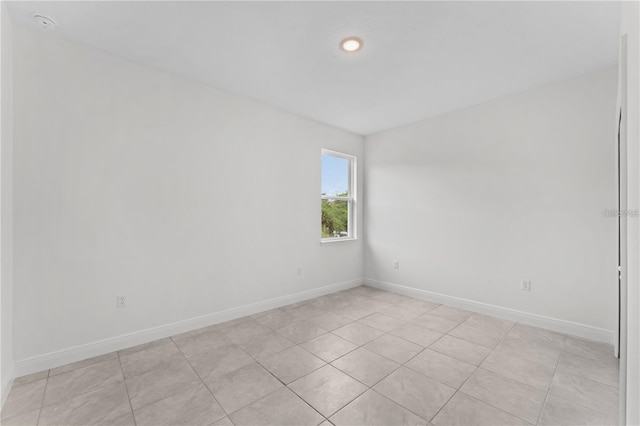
{"x":320,"y":213}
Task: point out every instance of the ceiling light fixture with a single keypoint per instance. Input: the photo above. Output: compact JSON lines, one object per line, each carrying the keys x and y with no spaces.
{"x":44,"y":22}
{"x":351,"y":44}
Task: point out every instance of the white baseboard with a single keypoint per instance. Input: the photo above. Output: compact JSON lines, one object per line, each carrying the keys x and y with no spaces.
{"x":6,"y":388}
{"x":101,"y":347}
{"x":554,"y":324}
{"x":89,"y":350}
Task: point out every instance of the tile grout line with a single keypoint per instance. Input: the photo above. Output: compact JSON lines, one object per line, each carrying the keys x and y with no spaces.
{"x":285,"y":385}
{"x":581,"y":376}
{"x":126,"y":387}
{"x":404,"y":364}
{"x":201,"y":380}
{"x":555,"y":370}
{"x":459,"y":387}
{"x":43,"y":395}
{"x":477,"y":367}
{"x":400,"y":365}
{"x":376,"y":310}
{"x":456,"y":392}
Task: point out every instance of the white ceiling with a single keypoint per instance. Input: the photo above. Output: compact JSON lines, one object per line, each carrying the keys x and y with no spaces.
{"x":419,"y":59}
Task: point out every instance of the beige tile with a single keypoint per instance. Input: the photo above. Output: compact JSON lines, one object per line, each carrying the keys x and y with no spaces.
{"x":219,"y":362}
{"x":589,"y":348}
{"x":546,"y":338}
{"x":403,"y":312}
{"x":281,"y":407}
{"x":299,"y":331}
{"x":365,"y":366}
{"x":265,"y":344}
{"x":417,"y":304}
{"x":330,"y":321}
{"x":354,"y":312}
{"x":389,"y":297}
{"x":322,"y":303}
{"x":436,"y":323}
{"x":381,"y":322}
{"x":82,"y":380}
{"x":560,"y":412}
{"x":329,"y":347}
{"x":83,"y":363}
{"x":454,"y":314}
{"x":194,"y":406}
{"x":291,"y":364}
{"x":274,"y":319}
{"x":533,"y":374}
{"x":29,"y":418}
{"x":533,"y":351}
{"x":232,"y":323}
{"x":243,"y":386}
{"x":223,"y":422}
{"x":378,"y":305}
{"x":508,"y":395}
{"x":605,"y":370}
{"x":126,"y":420}
{"x":485,"y":337}
{"x":30,"y":378}
{"x":327,"y":389}
{"x":490,"y":323}
{"x":358,"y":333}
{"x":101,"y":406}
{"x":137,"y":348}
{"x":197,"y":331}
{"x":150,"y":358}
{"x":463,"y":410}
{"x":415,"y":392}
{"x":583,"y":391}
{"x":414,"y":333}
{"x":460,"y":349}
{"x":244,"y":332}
{"x":349,"y":298}
{"x":365,"y":290}
{"x":441,"y":368}
{"x":24,"y":398}
{"x":296,"y":305}
{"x":194,"y":344}
{"x":161,"y":383}
{"x":373,"y":409}
{"x":394,"y":348}
{"x":303,"y":311}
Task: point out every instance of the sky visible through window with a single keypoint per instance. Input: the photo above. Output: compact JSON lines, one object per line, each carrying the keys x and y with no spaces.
{"x":335,"y":175}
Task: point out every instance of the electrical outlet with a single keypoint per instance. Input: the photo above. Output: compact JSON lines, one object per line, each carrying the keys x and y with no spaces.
{"x":526,"y":285}
{"x":299,"y":271}
{"x":396,"y":265}
{"x":121,"y":301}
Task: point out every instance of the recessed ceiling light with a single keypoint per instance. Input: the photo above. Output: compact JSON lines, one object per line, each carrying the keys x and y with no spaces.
{"x":351,"y":44}
{"x":44,"y":22}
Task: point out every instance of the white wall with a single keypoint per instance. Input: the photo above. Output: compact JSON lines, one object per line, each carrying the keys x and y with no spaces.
{"x":6,"y":205}
{"x":474,"y":201}
{"x":630,"y":26}
{"x":186,"y":199}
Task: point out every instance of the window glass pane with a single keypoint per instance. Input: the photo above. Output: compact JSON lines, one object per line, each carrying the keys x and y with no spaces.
{"x":335,"y":219}
{"x":335,"y":175}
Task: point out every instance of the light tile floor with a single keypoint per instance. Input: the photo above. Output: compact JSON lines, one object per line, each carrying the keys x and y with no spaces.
{"x":361,"y":356}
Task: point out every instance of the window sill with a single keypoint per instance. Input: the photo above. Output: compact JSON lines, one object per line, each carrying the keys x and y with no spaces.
{"x":337,"y":240}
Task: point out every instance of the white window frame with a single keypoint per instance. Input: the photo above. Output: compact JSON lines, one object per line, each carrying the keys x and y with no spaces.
{"x":351,"y":200}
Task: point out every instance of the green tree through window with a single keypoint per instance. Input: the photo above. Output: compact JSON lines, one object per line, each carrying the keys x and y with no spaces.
{"x":335,"y":217}
{"x":337,"y":200}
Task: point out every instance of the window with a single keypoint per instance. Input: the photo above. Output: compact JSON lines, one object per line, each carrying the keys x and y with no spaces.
{"x":338,"y":196}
